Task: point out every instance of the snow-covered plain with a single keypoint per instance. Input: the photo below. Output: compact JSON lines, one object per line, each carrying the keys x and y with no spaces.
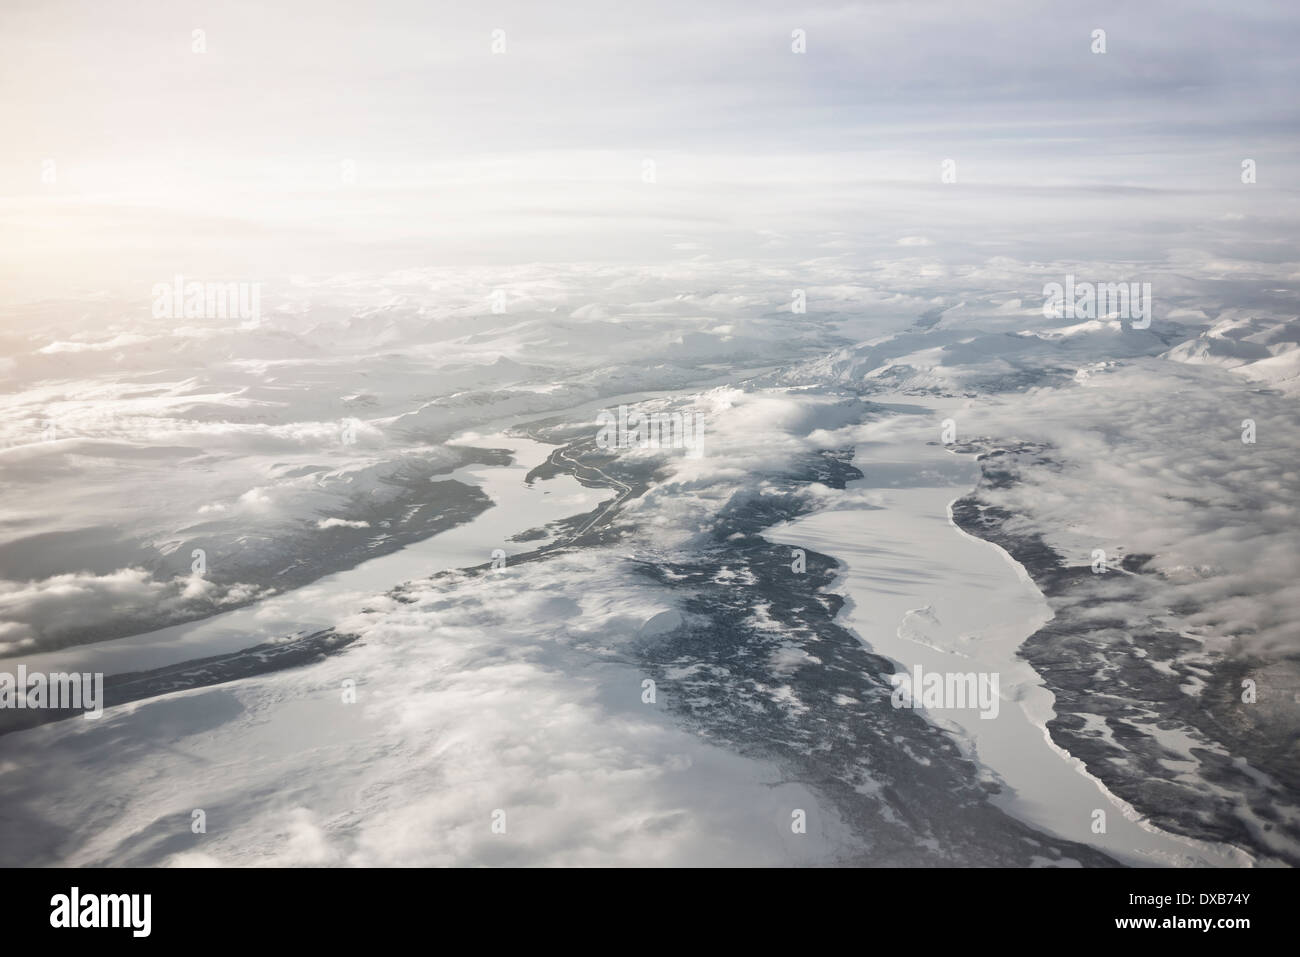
{"x":520,"y":691}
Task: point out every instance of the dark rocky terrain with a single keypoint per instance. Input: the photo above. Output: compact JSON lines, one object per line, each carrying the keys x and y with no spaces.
{"x":1246,"y":790}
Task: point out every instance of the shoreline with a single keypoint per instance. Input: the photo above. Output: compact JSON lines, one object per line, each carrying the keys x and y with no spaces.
{"x":1060,"y":652}
{"x":914,"y":597}
{"x":333,"y":598}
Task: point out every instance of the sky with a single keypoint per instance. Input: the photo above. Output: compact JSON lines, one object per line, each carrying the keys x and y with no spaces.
{"x":318,"y":137}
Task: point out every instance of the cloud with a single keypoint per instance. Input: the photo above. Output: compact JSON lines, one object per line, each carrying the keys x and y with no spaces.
{"x":502,"y":693}
{"x":1151,"y":461}
{"x":44,"y":613}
